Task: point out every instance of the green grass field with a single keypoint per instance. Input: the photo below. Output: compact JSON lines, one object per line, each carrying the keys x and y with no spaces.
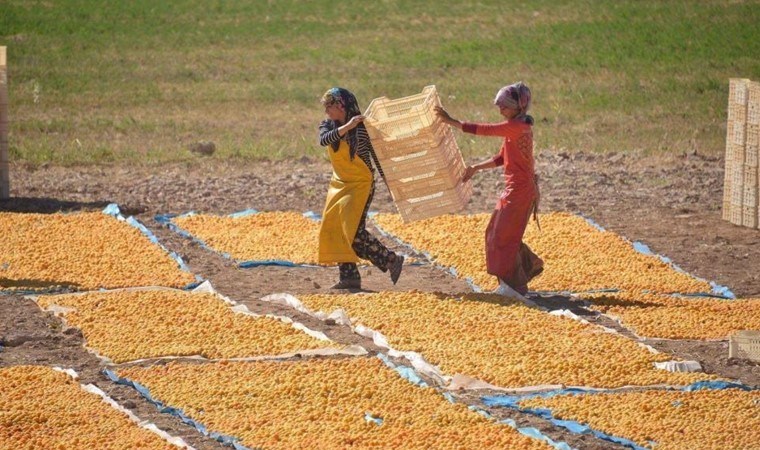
{"x":139,"y":81}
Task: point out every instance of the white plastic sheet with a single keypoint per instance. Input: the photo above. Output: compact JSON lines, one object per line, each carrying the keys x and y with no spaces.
{"x":206,"y":287}
{"x":457,"y":381}
{"x":92,"y":389}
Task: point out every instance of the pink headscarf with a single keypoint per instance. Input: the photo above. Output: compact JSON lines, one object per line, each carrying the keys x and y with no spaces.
{"x":514,"y":96}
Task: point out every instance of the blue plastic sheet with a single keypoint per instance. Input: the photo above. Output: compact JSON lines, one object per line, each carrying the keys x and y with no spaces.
{"x":370,"y":418}
{"x":113,"y":210}
{"x":592,"y":223}
{"x":512,"y":401}
{"x":409,"y":374}
{"x":572,"y":426}
{"x":527,"y":431}
{"x":717,"y":290}
{"x":716,"y":385}
{"x":406,"y":372}
{"x":166,"y":219}
{"x":451,"y":270}
{"x":145,"y":392}
{"x":246,"y":212}
{"x":313,"y":216}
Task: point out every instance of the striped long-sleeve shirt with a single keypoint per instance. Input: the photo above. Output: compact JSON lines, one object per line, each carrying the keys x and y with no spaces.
{"x":358,"y":141}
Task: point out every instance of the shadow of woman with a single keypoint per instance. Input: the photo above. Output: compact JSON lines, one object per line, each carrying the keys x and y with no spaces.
{"x":549,"y":302}
{"x":46,"y":205}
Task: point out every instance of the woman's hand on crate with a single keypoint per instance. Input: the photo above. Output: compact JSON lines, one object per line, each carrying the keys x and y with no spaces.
{"x":446,"y":117}
{"x":350,"y":125}
{"x":469,"y":171}
{"x":356,"y":120}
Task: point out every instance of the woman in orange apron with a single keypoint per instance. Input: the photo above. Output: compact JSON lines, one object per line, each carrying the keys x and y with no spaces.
{"x":507,"y":257}
{"x":342,"y":236}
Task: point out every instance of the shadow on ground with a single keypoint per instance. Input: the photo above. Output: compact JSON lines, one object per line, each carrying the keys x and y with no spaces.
{"x":45,"y":205}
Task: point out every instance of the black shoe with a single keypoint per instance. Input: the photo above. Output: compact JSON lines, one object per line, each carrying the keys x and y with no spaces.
{"x":347,"y":284}
{"x":396,"y":267}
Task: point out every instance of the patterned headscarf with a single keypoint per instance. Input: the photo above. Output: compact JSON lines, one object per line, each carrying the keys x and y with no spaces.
{"x":345,"y":98}
{"x":515,"y":96}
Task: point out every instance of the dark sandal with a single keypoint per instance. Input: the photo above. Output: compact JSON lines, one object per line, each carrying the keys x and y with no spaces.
{"x":395,"y":268}
{"x":536,"y":272}
{"x":347,"y":284}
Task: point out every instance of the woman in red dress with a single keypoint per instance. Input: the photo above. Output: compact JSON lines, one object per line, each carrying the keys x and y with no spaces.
{"x":507,"y":256}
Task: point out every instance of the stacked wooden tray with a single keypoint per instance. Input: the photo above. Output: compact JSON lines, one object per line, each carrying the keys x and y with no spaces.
{"x":741,"y":203}
{"x":419,"y":155}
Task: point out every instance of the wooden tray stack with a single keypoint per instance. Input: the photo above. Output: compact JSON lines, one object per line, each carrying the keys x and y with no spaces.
{"x":419,"y":155}
{"x":5,"y":167}
{"x":745,"y":345}
{"x":741,"y":203}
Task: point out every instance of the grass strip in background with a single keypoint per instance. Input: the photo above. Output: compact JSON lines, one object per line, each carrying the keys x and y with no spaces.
{"x":98,"y":81}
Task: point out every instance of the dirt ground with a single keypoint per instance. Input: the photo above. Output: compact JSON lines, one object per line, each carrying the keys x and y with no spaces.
{"x":673,"y":204}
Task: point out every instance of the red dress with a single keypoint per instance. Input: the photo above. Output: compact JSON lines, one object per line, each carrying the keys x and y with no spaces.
{"x":507,"y":257}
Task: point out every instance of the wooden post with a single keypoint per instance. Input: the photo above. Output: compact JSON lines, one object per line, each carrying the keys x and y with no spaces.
{"x":5,"y":167}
